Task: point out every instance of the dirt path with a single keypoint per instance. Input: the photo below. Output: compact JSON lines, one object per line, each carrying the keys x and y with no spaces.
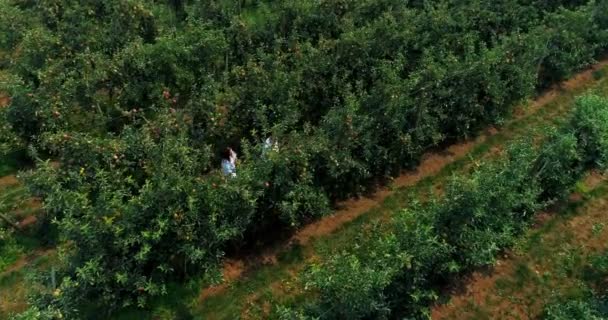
{"x":22,"y":212}
{"x":431,"y":164}
{"x":25,"y":260}
{"x":4,"y":101}
{"x":8,"y":181}
{"x":519,"y":286}
{"x":15,"y":288}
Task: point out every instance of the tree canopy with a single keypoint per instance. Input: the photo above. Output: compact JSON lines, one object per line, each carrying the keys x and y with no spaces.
{"x":127,"y":106}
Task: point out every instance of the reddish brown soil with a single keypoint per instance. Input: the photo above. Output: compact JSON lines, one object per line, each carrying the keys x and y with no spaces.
{"x":594,"y":179}
{"x":582,"y":78}
{"x":4,"y":101}
{"x":431,"y":164}
{"x":28,"y":221}
{"x":14,"y":299}
{"x":213,"y":290}
{"x":541,"y":218}
{"x":480,"y":289}
{"x":480,"y":286}
{"x":577,"y":81}
{"x":8,"y":181}
{"x":231,"y":271}
{"x":18,"y":265}
{"x":25,"y":260}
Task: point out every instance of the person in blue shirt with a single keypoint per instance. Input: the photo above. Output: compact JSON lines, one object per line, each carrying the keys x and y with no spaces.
{"x":229,"y":162}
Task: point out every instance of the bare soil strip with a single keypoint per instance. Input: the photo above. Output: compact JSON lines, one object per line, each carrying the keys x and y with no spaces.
{"x":8,"y":181}
{"x":25,"y":260}
{"x":4,"y":101}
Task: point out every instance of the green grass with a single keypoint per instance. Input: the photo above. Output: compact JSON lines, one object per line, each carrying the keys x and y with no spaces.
{"x":10,"y":252}
{"x":249,"y":294}
{"x":15,"y":287}
{"x":10,"y":196}
{"x":13,"y":204}
{"x":17,"y":245}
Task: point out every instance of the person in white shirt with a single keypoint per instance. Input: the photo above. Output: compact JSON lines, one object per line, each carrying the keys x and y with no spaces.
{"x":269,"y":144}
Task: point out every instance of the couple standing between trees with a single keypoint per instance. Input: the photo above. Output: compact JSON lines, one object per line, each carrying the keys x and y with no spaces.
{"x":229,"y":157}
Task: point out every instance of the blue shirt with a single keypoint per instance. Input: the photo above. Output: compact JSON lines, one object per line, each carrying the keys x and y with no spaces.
{"x":228,"y":167}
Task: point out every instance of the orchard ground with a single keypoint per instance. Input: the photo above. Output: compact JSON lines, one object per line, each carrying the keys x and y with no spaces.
{"x":254,"y":283}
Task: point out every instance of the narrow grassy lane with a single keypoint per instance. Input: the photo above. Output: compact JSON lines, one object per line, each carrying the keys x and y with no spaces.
{"x":21,"y":249}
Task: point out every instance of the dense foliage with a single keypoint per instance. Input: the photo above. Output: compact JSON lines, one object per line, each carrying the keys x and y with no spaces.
{"x":591,"y":309}
{"x":135,"y":100}
{"x":478,"y":216}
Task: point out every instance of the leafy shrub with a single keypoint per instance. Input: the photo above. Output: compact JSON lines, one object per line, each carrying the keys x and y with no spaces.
{"x":35,"y":313}
{"x":583,"y":310}
{"x":283,"y":313}
{"x":352,"y":286}
{"x":13,"y":22}
{"x":570,"y":48}
{"x":483,"y":213}
{"x":589,"y":121}
{"x":131,"y":199}
{"x":392,"y":273}
{"x":559,"y":165}
{"x":429,"y":262}
{"x":9,"y":141}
